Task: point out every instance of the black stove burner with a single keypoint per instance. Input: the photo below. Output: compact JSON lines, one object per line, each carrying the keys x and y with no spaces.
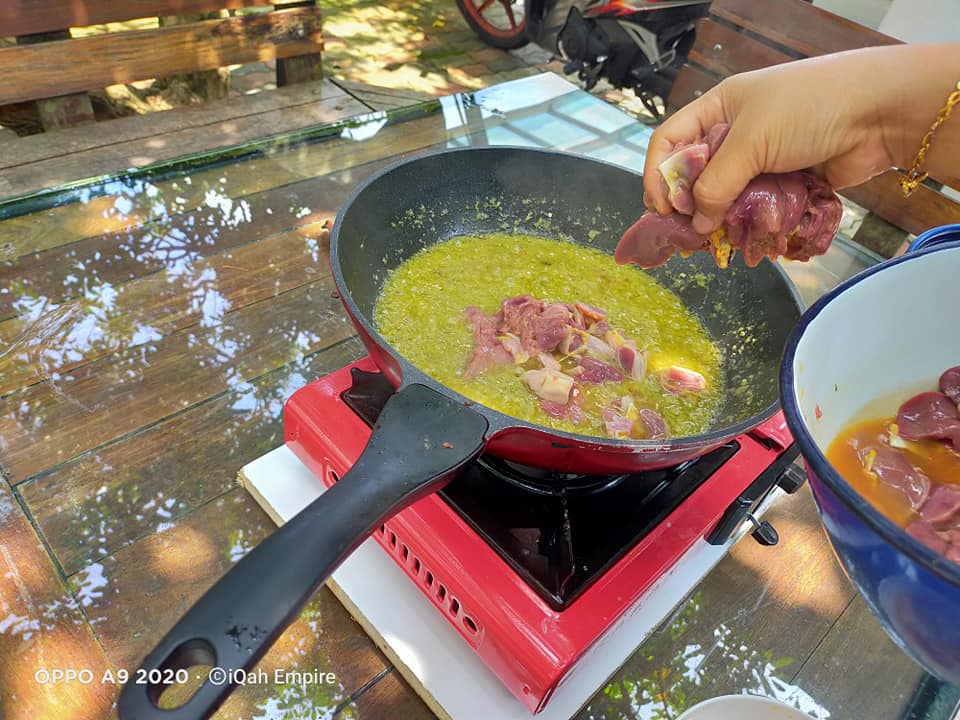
{"x":560,"y":542}
{"x":547,"y":482}
{"x":558,"y":538}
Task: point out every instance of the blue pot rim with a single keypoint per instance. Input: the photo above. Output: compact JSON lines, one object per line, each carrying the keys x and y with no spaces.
{"x":875,"y":520}
{"x":935,"y":236}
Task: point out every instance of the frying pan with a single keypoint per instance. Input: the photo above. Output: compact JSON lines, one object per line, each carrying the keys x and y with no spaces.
{"x":426,"y":431}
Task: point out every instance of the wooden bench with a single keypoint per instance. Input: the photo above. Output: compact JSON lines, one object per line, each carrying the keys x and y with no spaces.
{"x":55,"y":70}
{"x":742,"y":35}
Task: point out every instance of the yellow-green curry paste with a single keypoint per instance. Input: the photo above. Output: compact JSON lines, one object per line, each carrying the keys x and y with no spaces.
{"x":421,"y":314}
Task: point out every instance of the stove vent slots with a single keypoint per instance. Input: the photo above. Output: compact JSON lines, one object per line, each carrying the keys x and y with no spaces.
{"x":432,"y":586}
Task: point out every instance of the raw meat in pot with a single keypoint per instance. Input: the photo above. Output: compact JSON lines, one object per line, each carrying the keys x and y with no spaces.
{"x":625,"y":420}
{"x":678,"y":379}
{"x":559,"y":349}
{"x":600,"y":349}
{"x":540,"y":326}
{"x":523,"y":327}
{"x":596,"y":372}
{"x":655,"y":426}
{"x":891,"y":467}
{"x":618,"y":425}
{"x":930,"y":416}
{"x":795,"y":215}
{"x":950,"y":384}
{"x":590,"y":312}
{"x":550,"y":385}
{"x":570,"y":410}
{"x":922,"y":531}
{"x":944,"y":543}
{"x":942,"y":508}
{"x":633,"y":361}
{"x":487,"y":349}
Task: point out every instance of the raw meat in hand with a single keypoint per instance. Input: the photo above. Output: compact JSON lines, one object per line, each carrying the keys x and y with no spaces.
{"x":794,"y":214}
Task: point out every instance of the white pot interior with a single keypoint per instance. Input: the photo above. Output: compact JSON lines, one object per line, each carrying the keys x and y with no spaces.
{"x":885,"y":338}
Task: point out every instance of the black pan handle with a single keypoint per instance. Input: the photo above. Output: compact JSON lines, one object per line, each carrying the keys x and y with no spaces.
{"x":418,"y":443}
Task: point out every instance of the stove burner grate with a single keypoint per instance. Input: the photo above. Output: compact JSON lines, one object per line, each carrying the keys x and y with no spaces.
{"x":547,"y":482}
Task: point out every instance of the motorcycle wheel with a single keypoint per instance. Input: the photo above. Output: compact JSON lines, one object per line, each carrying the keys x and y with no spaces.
{"x":498,"y":23}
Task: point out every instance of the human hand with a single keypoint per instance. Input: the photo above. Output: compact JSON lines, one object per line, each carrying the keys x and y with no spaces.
{"x":847,"y":117}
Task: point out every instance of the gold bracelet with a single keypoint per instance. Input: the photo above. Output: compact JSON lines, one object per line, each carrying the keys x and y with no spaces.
{"x":910,"y":181}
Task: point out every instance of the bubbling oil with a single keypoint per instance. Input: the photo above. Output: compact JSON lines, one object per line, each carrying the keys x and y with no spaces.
{"x":420,"y":313}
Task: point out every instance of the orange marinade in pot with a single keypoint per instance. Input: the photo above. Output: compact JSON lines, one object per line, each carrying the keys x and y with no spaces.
{"x":936,"y":459}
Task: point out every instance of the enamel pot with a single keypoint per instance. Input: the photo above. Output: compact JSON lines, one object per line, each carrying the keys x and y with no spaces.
{"x":872,"y":342}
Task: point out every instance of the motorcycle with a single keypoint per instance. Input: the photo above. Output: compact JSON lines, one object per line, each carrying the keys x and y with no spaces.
{"x":636,"y":45}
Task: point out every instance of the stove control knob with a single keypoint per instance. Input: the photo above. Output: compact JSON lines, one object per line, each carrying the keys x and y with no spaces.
{"x":792,"y":478}
{"x":764,"y":533}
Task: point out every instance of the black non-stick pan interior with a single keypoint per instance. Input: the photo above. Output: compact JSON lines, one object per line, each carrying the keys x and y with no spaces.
{"x":748,"y":311}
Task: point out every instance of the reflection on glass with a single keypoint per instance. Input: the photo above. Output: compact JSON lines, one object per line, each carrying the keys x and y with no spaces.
{"x":676,"y":669}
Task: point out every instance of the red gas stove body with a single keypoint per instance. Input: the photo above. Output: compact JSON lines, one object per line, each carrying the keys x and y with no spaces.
{"x":528,"y":644}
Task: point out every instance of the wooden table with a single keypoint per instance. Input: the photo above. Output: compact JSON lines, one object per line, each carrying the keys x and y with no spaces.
{"x":152,"y":325}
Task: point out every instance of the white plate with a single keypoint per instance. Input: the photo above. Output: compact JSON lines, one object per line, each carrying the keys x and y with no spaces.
{"x":743,"y":707}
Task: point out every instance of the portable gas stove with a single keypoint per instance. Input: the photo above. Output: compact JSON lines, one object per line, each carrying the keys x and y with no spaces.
{"x":528,"y":575}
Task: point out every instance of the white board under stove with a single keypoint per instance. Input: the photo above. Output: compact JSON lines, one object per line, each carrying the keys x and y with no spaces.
{"x":426,"y":650}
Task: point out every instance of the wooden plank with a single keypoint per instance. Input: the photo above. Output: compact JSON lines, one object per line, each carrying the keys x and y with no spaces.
{"x":923,"y":210}
{"x":143,"y":152}
{"x":389,"y":697}
{"x":114,"y":396}
{"x":357,"y":160}
{"x":59,"y":226}
{"x":875,"y":233}
{"x":134,"y":204}
{"x":886,"y":677}
{"x":42,"y":629}
{"x":143,"y":311}
{"x":25,"y":17}
{"x":68,"y":272}
{"x":729,"y":635}
{"x":42,"y":147}
{"x":120,"y":212}
{"x":207,"y":84}
{"x":170,"y":469}
{"x":305,"y":68}
{"x":137,"y":594}
{"x":95,"y":61}
{"x":690,"y":84}
{"x":799,"y":25}
{"x":422,"y":700}
{"x":65,"y":110}
{"x":35,"y":232}
{"x":724,"y":51}
{"x":126,"y":205}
